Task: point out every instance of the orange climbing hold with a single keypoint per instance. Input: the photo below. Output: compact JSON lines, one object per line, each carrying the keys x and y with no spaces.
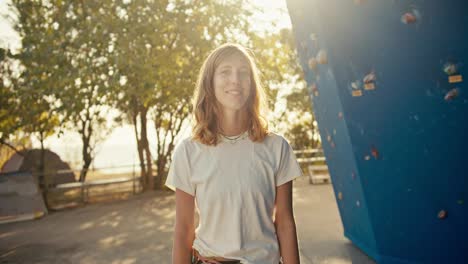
{"x":375,"y":152}
{"x":442,"y":214}
{"x":411,"y":17}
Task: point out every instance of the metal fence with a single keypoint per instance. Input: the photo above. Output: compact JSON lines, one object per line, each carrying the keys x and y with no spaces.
{"x":119,"y":182}
{"x":100,"y":187}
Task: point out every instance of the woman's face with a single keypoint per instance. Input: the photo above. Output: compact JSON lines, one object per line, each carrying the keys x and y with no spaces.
{"x":232,"y":82}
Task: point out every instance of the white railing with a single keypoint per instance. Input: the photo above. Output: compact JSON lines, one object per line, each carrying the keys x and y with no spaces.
{"x":313,"y":161}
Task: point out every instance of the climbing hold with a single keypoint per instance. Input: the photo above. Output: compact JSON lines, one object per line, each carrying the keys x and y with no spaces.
{"x":452,"y":94}
{"x":357,"y":93}
{"x":375,"y":152}
{"x":411,"y":17}
{"x":450,"y":68}
{"x":460,"y":202}
{"x":340,"y":196}
{"x":322,"y":57}
{"x":356,"y":88}
{"x":369,"y":86}
{"x":370,"y":78}
{"x":408,"y":18}
{"x":442,"y":214}
{"x":367,"y":157}
{"x":358,"y":204}
{"x":340,"y":115}
{"x":356,"y":85}
{"x":353,"y":175}
{"x":455,"y":79}
{"x":369,"y":81}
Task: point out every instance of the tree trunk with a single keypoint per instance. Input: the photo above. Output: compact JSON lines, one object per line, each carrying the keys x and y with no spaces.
{"x":145,"y":145}
{"x":87,"y":159}
{"x":162,"y":161}
{"x":139,"y":149}
{"x":87,"y":148}
{"x":42,"y":171}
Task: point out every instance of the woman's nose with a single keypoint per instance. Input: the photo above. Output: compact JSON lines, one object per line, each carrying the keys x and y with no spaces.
{"x":235,"y":77}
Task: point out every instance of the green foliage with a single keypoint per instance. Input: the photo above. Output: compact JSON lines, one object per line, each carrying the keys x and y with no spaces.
{"x":278,"y":61}
{"x":29,"y":85}
{"x":302,"y":131}
{"x":158,"y":49}
{"x":9,"y":112}
{"x":79,"y":59}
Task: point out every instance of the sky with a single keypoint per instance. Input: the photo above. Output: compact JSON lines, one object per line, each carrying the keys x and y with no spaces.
{"x":8,"y":36}
{"x":119,"y":148}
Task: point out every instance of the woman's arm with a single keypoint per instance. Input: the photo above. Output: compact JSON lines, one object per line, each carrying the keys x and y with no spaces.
{"x":184,"y":230}
{"x":285,"y":224}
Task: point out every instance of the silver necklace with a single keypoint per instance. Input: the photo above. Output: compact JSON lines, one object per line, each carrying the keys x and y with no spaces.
{"x":234,"y":139}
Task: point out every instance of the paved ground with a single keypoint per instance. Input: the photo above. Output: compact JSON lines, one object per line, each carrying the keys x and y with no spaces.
{"x":319,"y":227}
{"x":139,"y":230}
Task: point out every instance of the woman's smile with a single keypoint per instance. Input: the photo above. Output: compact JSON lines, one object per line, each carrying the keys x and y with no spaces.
{"x":235,"y":93}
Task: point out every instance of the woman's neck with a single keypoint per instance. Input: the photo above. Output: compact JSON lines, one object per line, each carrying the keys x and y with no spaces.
{"x":233,"y":123}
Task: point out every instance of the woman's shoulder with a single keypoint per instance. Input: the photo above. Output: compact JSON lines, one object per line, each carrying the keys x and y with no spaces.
{"x":275,"y":138}
{"x":189,"y":143}
{"x":185,"y":142}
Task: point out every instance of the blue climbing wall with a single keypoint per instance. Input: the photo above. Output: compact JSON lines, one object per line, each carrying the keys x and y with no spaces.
{"x":388,"y":82}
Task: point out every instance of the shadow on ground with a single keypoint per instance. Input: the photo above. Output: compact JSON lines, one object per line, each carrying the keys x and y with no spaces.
{"x":139,"y":230}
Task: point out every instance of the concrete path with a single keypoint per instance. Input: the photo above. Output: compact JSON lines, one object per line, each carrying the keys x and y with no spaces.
{"x":319,"y":227}
{"x":139,"y":230}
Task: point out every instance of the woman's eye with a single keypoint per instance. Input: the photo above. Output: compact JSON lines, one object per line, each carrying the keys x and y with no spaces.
{"x":244,"y":75}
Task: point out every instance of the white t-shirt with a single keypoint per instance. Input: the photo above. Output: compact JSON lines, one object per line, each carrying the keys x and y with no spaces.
{"x":234,"y":187}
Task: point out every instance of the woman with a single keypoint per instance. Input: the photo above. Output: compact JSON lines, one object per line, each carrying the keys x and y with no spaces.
{"x":239,"y":174}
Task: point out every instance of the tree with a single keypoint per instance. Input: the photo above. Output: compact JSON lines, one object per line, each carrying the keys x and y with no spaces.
{"x":303,"y":130}
{"x":86,"y":72}
{"x":32,"y":108}
{"x":37,"y":79}
{"x":81,"y":58}
{"x":64,"y":76}
{"x":159,"y":48}
{"x":10,"y":116}
{"x":278,"y":61}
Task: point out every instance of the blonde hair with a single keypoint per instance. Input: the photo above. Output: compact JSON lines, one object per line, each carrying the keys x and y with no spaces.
{"x":205,"y":108}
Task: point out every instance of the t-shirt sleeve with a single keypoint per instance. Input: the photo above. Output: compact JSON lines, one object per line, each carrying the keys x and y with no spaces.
{"x":179,"y":175}
{"x":288,"y":168}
